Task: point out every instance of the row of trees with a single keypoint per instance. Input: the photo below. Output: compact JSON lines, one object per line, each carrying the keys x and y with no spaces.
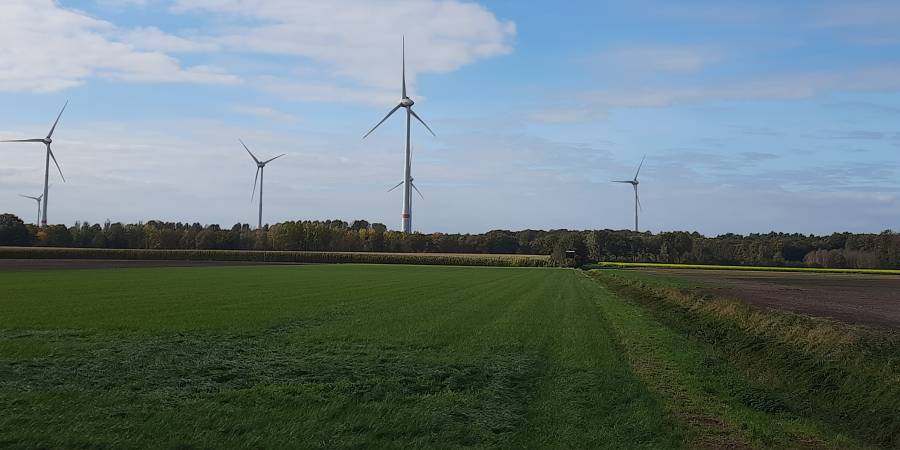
{"x":779,"y":249}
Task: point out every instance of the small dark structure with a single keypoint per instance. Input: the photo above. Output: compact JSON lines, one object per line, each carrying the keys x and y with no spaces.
{"x":570,"y":258}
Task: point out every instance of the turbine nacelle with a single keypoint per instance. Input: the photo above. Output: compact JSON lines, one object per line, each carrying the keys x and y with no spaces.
{"x":407,"y":102}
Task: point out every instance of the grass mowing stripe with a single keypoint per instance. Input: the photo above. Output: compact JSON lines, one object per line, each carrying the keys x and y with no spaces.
{"x":316,"y":357}
{"x":586,"y":389}
{"x":718,"y":405}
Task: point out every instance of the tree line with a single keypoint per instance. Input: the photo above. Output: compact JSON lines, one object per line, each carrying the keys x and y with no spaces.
{"x":838,"y":250}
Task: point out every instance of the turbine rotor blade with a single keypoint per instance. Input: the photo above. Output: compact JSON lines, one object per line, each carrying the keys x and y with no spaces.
{"x":395,"y":187}
{"x":403,"y":41}
{"x":623,"y":181}
{"x":50,"y":134}
{"x":56,"y":163}
{"x":382,"y":120}
{"x":420,"y":120}
{"x":273,"y":159}
{"x":417,"y":190}
{"x":23,"y":140}
{"x":248,"y":151}
{"x":28,"y":196}
{"x":255,"y":177}
{"x":639,"y":167}
{"x":637,"y":198}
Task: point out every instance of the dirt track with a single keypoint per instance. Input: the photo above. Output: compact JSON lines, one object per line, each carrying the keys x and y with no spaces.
{"x":20,"y":265}
{"x":860,"y":299}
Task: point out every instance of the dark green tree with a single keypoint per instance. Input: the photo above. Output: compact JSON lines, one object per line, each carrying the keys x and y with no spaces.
{"x":13,"y":231}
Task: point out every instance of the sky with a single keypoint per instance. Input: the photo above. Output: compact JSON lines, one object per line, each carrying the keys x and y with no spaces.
{"x":753,"y":116}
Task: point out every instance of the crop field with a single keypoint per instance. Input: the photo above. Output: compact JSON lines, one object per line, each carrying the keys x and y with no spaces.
{"x":863,"y":299}
{"x":260,"y":256}
{"x":395,"y":356}
{"x":629,"y":265}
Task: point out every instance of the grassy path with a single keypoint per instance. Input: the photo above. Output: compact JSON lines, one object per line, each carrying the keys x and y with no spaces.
{"x":716,"y":404}
{"x":791,"y":365}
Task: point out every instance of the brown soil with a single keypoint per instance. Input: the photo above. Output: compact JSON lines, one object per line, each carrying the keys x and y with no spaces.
{"x":20,"y":265}
{"x":860,"y":299}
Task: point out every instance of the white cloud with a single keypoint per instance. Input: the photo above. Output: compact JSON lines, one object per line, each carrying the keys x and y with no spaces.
{"x":359,"y":40}
{"x":324,"y":91}
{"x":596,"y":104}
{"x":350,"y":46}
{"x":48,"y":48}
{"x":667,"y":59}
{"x":265,"y":113}
{"x":152,"y":38}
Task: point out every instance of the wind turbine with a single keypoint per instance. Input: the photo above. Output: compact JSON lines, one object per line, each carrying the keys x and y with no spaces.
{"x":411,"y":184}
{"x":38,"y":200}
{"x":47,"y":141}
{"x":637,"y":200}
{"x":405,"y":102}
{"x":260,"y":173}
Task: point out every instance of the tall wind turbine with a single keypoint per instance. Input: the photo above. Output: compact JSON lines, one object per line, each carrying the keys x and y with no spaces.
{"x":47,"y":141}
{"x":405,"y":102}
{"x":38,"y":200}
{"x":260,"y":173}
{"x":637,"y":200}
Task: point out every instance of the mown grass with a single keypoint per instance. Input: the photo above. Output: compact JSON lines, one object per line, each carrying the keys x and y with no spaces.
{"x":627,"y":265}
{"x":715,"y":403}
{"x":846,"y":376}
{"x":326,"y":356}
{"x":370,"y":356}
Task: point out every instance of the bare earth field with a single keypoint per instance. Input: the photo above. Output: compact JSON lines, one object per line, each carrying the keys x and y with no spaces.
{"x":860,"y":299}
{"x":20,"y":265}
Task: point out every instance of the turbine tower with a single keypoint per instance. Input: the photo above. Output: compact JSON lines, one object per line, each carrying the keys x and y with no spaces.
{"x":38,"y":200}
{"x":260,"y":173}
{"x":405,"y":102}
{"x":47,"y":141}
{"x":637,"y":200}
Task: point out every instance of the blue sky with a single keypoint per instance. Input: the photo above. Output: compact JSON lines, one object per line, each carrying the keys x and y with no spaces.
{"x":754,"y":117}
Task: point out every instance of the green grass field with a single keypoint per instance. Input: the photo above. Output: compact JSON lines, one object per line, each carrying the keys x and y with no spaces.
{"x":365,"y":356}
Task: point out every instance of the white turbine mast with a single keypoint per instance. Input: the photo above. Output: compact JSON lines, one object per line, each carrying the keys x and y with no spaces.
{"x":47,"y":141}
{"x":38,"y":200}
{"x":260,"y":174}
{"x":405,"y":102}
{"x":637,"y":200}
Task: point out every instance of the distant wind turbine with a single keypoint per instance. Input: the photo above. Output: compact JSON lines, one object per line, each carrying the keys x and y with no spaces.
{"x":637,"y":200}
{"x":47,"y":141}
{"x":411,"y":184}
{"x":38,"y":200}
{"x":405,"y":102}
{"x":260,"y":173}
